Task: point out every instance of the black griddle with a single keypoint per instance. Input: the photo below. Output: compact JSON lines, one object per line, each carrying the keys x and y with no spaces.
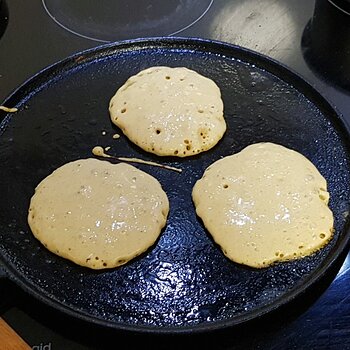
{"x":183,"y":284}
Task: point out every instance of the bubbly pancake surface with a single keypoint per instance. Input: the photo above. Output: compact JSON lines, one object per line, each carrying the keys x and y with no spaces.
{"x":98,"y":214}
{"x":264,"y":204}
{"x":169,"y":111}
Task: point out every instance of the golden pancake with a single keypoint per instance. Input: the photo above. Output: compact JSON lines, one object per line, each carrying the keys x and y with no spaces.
{"x":98,"y":214}
{"x":264,"y":204}
{"x":169,"y":111}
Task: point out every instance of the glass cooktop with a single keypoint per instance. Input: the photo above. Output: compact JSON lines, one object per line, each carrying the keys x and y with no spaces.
{"x":35,"y":34}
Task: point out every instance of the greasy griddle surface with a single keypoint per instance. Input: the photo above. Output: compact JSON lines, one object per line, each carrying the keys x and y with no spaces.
{"x":184,"y":282}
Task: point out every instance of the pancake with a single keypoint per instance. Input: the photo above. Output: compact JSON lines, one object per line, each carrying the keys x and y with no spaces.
{"x":169,"y":111}
{"x":264,"y":204}
{"x":98,"y":214}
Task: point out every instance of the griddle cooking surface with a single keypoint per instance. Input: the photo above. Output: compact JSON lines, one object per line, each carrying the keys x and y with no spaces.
{"x":184,"y":283}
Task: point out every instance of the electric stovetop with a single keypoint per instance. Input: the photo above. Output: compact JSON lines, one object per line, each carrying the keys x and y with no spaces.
{"x":35,"y":34}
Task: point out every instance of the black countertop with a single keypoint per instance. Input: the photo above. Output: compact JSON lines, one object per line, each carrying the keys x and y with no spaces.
{"x":318,"y":319}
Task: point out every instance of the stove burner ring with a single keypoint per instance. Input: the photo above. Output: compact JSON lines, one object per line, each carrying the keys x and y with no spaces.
{"x":106,"y":21}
